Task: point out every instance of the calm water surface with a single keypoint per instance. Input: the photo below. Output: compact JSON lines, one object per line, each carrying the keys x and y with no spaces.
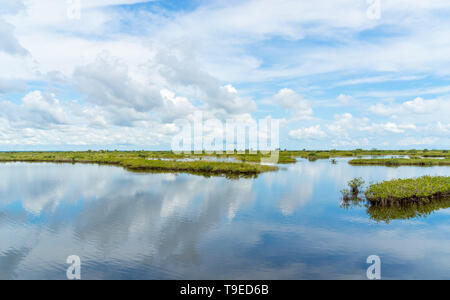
{"x":281,"y":225}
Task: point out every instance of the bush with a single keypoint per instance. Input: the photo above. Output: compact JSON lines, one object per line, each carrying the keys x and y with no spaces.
{"x":355,"y":184}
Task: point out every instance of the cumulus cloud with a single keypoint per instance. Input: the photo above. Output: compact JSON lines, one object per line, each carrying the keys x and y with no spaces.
{"x":416,"y":106}
{"x":184,"y":73}
{"x":294,"y":103}
{"x":174,"y":107}
{"x":345,"y":123}
{"x":41,"y":119}
{"x":389,"y":127}
{"x":348,"y":130}
{"x":163,"y":65}
{"x":108,"y":82}
{"x":38,"y":109}
{"x":313,"y":132}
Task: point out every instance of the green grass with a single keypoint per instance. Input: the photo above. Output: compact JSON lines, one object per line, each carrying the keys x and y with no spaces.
{"x":416,"y":190}
{"x":401,"y":162}
{"x":245,"y":163}
{"x":326,"y":154}
{"x":400,"y":199}
{"x":139,"y":161}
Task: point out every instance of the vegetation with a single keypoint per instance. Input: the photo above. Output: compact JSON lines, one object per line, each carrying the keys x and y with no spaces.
{"x":414,"y":190}
{"x":245,"y":163}
{"x":390,"y":162}
{"x":141,"y":161}
{"x":352,"y":193}
{"x":355,"y":185}
{"x":288,"y":156}
{"x":400,"y":198}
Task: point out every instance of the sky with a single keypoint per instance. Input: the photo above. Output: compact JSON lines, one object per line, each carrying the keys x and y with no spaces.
{"x":121,"y":74}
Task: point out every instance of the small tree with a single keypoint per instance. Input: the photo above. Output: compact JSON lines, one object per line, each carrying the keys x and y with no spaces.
{"x":355,"y":184}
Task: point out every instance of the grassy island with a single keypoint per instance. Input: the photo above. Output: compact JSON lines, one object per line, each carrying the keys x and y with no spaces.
{"x":405,"y":191}
{"x":393,"y":162}
{"x":143,"y":161}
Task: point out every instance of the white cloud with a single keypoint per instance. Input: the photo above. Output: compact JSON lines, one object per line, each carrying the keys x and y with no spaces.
{"x":201,"y":59}
{"x":420,"y":110}
{"x":344,"y":99}
{"x":417,"y":141}
{"x":109,"y":82}
{"x":313,"y":132}
{"x":389,"y":127}
{"x":294,"y":103}
{"x":174,"y":107}
{"x":378,"y":79}
{"x":40,"y":110}
{"x":11,"y":6}
{"x":344,"y":124}
{"x":99,"y":3}
{"x":185,"y":74}
{"x":8,"y":42}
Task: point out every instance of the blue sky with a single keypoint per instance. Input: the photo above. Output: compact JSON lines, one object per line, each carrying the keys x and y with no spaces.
{"x":337,"y":74}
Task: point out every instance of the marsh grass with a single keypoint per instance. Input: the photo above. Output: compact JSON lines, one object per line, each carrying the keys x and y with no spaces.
{"x":232,"y":163}
{"x":393,"y":162}
{"x":400,"y":198}
{"x":414,"y":190}
{"x":141,"y":161}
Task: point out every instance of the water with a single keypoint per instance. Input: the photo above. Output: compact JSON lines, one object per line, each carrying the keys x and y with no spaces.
{"x":282,"y":225}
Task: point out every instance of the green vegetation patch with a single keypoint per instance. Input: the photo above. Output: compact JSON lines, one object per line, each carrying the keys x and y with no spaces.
{"x":142,"y":161}
{"x":401,"y":162}
{"x":414,"y":190}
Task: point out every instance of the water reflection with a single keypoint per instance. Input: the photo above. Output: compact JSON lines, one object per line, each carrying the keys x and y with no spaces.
{"x":388,"y":213}
{"x":281,"y":225}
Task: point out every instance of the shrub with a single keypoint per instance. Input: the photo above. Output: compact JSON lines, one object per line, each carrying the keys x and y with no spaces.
{"x":355,"y":184}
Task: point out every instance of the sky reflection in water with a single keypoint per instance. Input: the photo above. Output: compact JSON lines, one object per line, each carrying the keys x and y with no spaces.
{"x":281,"y":225}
